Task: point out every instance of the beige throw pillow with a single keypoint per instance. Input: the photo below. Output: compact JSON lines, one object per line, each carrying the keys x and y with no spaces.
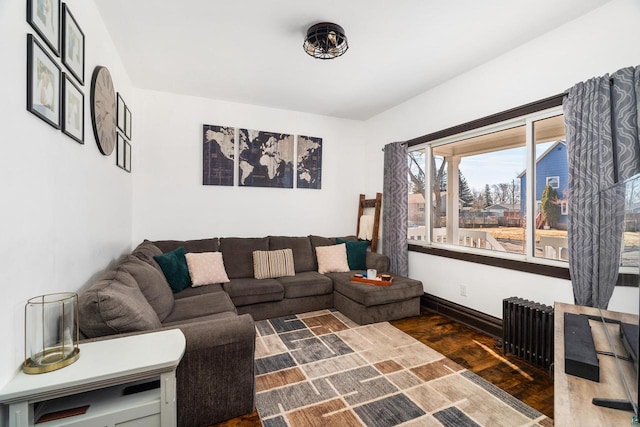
{"x":332,"y":259}
{"x":272,"y":264}
{"x":206,"y":268}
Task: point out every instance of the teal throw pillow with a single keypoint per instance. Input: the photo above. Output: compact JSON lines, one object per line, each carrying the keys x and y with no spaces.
{"x":175,"y":269}
{"x":356,"y":253}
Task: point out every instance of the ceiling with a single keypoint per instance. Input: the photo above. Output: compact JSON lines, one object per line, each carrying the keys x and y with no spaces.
{"x":250,"y":51}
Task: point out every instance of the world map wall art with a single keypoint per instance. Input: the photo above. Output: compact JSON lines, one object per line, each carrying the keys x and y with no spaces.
{"x":309,"y":162}
{"x":265,"y":159}
{"x":218,"y":150}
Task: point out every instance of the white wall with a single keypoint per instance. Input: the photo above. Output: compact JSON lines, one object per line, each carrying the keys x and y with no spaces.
{"x":66,"y":209}
{"x":171,"y":202}
{"x":597,"y":43}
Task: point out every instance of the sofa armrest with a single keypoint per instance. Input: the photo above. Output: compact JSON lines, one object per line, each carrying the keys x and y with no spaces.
{"x":378,"y":261}
{"x":215,"y":379}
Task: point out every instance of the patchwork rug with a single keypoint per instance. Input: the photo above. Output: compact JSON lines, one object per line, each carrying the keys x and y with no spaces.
{"x":322,"y":369}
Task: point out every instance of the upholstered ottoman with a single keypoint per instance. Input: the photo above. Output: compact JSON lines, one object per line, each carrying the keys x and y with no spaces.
{"x":365,"y":304}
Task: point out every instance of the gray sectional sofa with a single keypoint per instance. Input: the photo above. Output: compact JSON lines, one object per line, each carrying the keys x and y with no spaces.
{"x":215,"y":379}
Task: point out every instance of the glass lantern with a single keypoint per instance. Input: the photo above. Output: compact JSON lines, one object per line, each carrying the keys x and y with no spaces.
{"x":51,"y":332}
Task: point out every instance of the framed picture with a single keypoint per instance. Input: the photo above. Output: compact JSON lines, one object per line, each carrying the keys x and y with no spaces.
{"x":218,"y":154}
{"x":127,"y":156}
{"x":309,"y":164}
{"x":120,"y":151}
{"x":265,"y":159}
{"x":44,"y":17}
{"x":127,"y":121}
{"x":43,"y":83}
{"x":120,"y":113}
{"x":72,"y":45}
{"x":72,"y":109}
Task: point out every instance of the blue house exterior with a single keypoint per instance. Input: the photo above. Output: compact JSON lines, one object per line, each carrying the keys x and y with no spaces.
{"x":551,"y":168}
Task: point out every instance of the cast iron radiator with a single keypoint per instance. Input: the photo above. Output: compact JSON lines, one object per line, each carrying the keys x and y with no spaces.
{"x":527,"y":330}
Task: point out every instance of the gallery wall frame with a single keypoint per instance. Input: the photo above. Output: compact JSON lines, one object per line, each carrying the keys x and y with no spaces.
{"x":43,"y":83}
{"x":72,"y":44}
{"x":127,"y":122}
{"x":120,"y":151}
{"x":127,"y":156}
{"x":120,"y":112}
{"x":44,"y":17}
{"x":72,"y":109}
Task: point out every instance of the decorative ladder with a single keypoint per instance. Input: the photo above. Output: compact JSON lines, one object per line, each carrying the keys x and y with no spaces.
{"x":376,"y":204}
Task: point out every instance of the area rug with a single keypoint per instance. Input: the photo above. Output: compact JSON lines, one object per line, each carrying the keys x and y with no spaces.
{"x":322,"y":369}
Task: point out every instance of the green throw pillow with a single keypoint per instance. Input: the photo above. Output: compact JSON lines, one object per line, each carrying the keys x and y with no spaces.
{"x":356,"y":253}
{"x":175,"y":269}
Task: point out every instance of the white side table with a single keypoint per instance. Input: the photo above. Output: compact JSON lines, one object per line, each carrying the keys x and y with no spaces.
{"x":97,"y":379}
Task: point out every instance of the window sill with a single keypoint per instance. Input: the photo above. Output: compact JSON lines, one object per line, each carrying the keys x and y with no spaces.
{"x":517,"y":265}
{"x":511,"y":264}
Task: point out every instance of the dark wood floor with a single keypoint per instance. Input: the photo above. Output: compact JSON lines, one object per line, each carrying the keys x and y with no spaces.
{"x":478,"y":353}
{"x":475,"y":351}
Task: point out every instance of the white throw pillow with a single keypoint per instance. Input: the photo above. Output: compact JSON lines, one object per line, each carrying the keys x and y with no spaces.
{"x":332,"y":259}
{"x":206,"y":268}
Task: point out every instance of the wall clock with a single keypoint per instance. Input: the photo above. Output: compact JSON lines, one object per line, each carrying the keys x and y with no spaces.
{"x":103,"y":110}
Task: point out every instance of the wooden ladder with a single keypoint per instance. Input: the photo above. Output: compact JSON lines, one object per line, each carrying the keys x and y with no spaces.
{"x":377,"y":205}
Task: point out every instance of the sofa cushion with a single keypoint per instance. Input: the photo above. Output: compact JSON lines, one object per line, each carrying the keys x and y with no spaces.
{"x":237,"y":253}
{"x":356,"y":253}
{"x":198,"y":290}
{"x":308,"y":283}
{"x":146,"y":251}
{"x":247,"y":291}
{"x":192,"y":246}
{"x":174,"y":267}
{"x":401,"y":289}
{"x":115,"y":304}
{"x":303,"y":253}
{"x":273,"y":264}
{"x":321,"y":241}
{"x":206,"y":268}
{"x":208,"y":317}
{"x":332,"y":258}
{"x":200,"y":306}
{"x":151,"y":282}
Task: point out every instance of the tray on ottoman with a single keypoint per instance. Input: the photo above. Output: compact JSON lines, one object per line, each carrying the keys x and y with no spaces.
{"x":378,"y":282}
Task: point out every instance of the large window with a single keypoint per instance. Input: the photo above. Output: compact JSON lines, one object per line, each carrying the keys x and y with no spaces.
{"x":500,"y":189}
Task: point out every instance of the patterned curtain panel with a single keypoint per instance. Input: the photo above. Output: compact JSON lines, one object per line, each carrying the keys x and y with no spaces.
{"x":394,"y":208}
{"x":601,"y":119}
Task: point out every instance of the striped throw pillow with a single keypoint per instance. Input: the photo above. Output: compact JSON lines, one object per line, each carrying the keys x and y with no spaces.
{"x":272,"y":264}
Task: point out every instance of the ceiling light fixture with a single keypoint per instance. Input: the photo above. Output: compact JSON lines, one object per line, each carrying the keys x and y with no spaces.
{"x":325,"y":41}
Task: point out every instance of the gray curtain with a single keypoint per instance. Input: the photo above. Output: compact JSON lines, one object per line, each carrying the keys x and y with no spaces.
{"x":394,"y":208}
{"x":601,"y":118}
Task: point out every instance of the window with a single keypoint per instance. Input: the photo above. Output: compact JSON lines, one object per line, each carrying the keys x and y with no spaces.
{"x":553,"y":181}
{"x":498,"y":190}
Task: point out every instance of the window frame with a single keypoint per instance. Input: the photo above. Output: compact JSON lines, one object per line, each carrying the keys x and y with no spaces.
{"x":541,"y":268}
{"x":526,"y":121}
{"x":555,"y":178}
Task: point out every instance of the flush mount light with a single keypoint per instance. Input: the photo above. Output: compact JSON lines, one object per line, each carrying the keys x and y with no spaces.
{"x":325,"y":41}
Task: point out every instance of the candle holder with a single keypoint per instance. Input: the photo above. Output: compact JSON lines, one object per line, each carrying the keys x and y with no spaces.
{"x":51,"y":332}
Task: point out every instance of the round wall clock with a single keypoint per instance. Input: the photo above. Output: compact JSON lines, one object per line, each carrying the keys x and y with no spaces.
{"x":103,"y":110}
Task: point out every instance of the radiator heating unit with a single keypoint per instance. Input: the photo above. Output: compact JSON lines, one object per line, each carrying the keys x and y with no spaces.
{"x":527,"y":330}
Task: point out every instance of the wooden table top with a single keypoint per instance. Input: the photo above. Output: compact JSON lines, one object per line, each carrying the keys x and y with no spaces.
{"x":572,"y":395}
